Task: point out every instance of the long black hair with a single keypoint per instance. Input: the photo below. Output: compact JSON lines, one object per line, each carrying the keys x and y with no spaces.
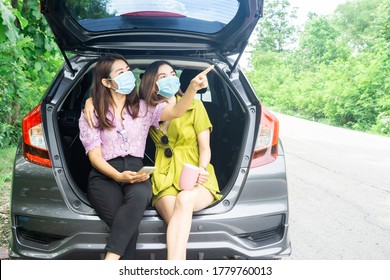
{"x":101,"y":96}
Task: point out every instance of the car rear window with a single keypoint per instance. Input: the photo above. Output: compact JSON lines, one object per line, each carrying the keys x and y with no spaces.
{"x":202,"y":16}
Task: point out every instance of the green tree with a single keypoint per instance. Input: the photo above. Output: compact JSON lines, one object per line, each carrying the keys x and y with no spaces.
{"x":28,"y":61}
{"x":366,"y":28}
{"x":275,"y":30}
{"x":82,"y":9}
{"x":357,"y":19}
{"x":320,"y":42}
{"x":338,"y":73}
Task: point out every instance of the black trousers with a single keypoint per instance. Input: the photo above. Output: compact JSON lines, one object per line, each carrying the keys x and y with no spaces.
{"x":120,"y":206}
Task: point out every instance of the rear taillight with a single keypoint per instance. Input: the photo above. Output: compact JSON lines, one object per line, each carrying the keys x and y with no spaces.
{"x":266,"y":148}
{"x":34,"y":145}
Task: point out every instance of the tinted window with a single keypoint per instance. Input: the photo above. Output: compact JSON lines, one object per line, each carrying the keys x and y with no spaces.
{"x":205,"y":16}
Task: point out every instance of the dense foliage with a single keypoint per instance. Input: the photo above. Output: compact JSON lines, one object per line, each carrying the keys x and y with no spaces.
{"x":28,"y":60}
{"x":336,"y":71}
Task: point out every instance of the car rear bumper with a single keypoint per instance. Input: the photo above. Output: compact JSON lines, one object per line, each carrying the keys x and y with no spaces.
{"x":253,"y":227}
{"x":211,"y":239}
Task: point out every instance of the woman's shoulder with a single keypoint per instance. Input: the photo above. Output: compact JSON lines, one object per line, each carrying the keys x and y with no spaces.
{"x":143,"y":106}
{"x":196,"y":103}
{"x":142,"y":103}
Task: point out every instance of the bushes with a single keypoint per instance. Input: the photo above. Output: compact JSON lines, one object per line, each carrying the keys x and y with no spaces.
{"x":332,"y":75}
{"x":28,"y":61}
{"x":352,"y":94}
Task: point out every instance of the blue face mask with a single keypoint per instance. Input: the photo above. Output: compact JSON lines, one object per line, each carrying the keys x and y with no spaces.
{"x":125,"y":82}
{"x":168,"y":86}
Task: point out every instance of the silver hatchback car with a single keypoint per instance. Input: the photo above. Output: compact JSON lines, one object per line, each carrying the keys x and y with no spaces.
{"x":50,"y":212}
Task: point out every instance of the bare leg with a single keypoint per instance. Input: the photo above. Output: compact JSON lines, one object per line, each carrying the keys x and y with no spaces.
{"x":112,"y":256}
{"x":165,"y":207}
{"x":177,"y":212}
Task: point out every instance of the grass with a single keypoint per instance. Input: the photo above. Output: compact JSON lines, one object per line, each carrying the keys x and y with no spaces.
{"x":7,"y":156}
{"x":7,"y":159}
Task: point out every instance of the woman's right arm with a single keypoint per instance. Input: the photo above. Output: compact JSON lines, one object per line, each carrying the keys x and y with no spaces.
{"x":98,"y":162}
{"x":172,"y":111}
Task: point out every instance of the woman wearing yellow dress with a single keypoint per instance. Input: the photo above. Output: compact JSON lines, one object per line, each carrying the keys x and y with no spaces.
{"x":182,"y":140}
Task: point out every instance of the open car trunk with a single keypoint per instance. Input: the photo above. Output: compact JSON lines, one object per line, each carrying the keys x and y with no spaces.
{"x":227,"y":116}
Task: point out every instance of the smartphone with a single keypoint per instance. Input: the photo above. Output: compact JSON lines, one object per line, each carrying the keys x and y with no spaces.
{"x":147,"y":169}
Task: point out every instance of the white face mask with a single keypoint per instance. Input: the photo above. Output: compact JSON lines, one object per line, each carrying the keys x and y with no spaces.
{"x":168,"y":86}
{"x":125,"y":82}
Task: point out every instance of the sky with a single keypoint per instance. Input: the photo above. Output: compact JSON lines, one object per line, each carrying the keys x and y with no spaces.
{"x":321,"y":7}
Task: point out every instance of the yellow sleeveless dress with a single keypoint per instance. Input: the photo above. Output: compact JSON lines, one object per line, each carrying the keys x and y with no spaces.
{"x":182,"y":134}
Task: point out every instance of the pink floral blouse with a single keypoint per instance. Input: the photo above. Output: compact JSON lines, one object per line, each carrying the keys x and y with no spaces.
{"x":129,"y":139}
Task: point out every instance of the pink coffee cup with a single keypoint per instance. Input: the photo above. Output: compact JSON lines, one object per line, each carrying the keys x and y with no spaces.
{"x":188,"y":177}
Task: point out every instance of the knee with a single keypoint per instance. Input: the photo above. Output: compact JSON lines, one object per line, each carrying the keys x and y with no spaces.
{"x":140,"y":195}
{"x":185,"y":200}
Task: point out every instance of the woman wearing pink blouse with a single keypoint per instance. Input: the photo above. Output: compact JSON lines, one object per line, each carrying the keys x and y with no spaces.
{"x":115,"y":143}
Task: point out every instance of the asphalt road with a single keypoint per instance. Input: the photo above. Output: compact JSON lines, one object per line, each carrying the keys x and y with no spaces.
{"x":339,"y":191}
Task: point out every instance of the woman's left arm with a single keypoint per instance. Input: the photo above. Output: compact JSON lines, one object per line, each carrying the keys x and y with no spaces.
{"x":89,"y":111}
{"x":204,"y":155}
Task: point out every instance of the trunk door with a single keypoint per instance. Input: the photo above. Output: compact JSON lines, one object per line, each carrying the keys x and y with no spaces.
{"x":182,"y":27}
